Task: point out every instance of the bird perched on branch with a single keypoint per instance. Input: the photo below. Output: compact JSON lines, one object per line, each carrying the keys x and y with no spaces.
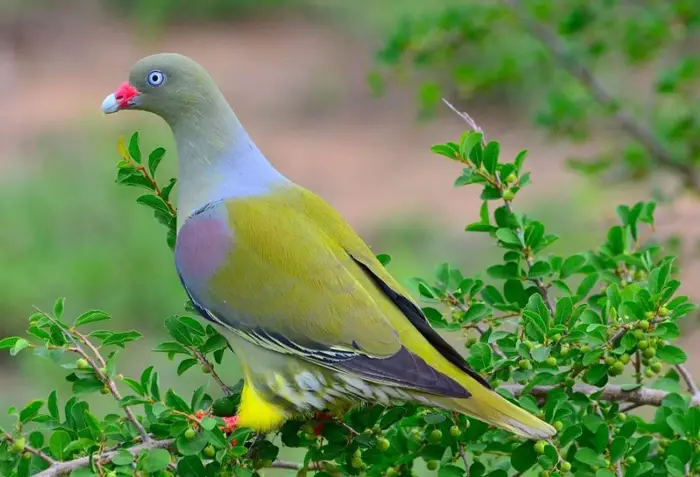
{"x":316,"y":321}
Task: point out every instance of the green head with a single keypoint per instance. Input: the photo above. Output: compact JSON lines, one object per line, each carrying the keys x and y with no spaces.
{"x":170,"y":85}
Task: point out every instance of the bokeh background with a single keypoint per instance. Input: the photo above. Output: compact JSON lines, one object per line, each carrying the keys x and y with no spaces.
{"x":296,"y":74}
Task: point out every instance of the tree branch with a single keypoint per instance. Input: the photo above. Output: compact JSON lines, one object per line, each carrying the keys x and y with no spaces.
{"x":8,"y":437}
{"x":657,"y":150}
{"x":688,"y":378}
{"x":640,"y":396}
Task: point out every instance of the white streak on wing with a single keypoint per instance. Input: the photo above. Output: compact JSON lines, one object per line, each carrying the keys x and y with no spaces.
{"x":307,"y":381}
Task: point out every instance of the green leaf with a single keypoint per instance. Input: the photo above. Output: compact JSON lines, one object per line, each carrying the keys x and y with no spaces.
{"x":480,"y":356}
{"x":58,"y":308}
{"x":9,"y":342}
{"x":589,"y":457}
{"x":123,"y":457}
{"x":523,"y":456}
{"x":87,"y":386}
{"x":539,"y":269}
{"x":31,"y":410}
{"x":171,"y":347}
{"x":572,"y":265}
{"x":134,"y":149}
{"x":52,"y":405}
{"x":475,"y":312}
{"x":193,"y":447}
{"x":154,"y":159}
{"x":19,"y":345}
{"x":92,"y":316}
{"x":58,"y":441}
{"x":176,"y":402}
{"x":570,"y":434}
{"x":672,"y":355}
{"x":586,"y":285}
{"x":157,"y":459}
{"x":674,"y":466}
{"x":468,"y":142}
{"x":677,"y":423}
{"x":154,"y":202}
{"x":190,"y":466}
{"x":604,"y":473}
{"x":135,"y":385}
{"x":449,"y":470}
{"x":507,"y":236}
{"x":490,"y":158}
{"x":185,"y":364}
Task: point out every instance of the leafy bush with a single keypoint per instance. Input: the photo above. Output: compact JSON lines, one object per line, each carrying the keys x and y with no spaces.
{"x":580,"y":341}
{"x":585,"y":66}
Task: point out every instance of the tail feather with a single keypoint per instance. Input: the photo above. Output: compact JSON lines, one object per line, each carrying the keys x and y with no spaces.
{"x":493,"y":409}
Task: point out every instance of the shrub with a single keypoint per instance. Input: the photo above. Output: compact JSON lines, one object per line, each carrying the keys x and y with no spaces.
{"x":580,"y":341}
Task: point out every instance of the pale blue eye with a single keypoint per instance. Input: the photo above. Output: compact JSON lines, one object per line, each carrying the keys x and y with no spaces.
{"x":155,"y":78}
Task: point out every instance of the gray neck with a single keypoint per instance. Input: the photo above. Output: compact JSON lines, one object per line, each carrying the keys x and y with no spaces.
{"x":218,"y":160}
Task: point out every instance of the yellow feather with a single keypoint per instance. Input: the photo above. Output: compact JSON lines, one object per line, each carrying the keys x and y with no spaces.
{"x":257,"y":413}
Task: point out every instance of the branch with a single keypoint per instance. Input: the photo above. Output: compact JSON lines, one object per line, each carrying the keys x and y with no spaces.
{"x":64,"y":468}
{"x":688,"y":378}
{"x":624,"y":119}
{"x":203,"y":359}
{"x":519,"y":230}
{"x":6,"y":436}
{"x":61,"y":468}
{"x":640,"y":396}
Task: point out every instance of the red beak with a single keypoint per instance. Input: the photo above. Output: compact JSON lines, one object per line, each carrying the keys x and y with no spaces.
{"x":122,"y":98}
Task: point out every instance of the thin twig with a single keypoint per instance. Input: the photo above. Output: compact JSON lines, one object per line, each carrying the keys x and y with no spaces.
{"x":688,"y":378}
{"x":47,"y":458}
{"x":463,"y":455}
{"x":519,"y":232}
{"x":658,"y":151}
{"x":641,"y":396}
{"x":203,"y":359}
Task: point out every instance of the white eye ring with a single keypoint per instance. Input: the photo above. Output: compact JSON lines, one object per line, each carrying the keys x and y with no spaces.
{"x":155,"y":78}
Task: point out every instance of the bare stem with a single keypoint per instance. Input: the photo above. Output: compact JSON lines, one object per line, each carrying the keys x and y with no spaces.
{"x":203,"y":359}
{"x":688,"y":378}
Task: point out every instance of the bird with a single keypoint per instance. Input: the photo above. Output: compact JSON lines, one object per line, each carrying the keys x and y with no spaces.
{"x":314,"y":318}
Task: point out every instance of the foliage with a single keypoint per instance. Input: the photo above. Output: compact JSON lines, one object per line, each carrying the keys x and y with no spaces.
{"x":579,"y":340}
{"x":585,"y":66}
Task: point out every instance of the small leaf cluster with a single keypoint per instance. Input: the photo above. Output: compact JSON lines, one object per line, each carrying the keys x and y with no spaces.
{"x":580,"y":341}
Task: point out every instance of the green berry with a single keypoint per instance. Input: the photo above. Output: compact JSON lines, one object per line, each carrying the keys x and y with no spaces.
{"x":665,"y":442}
{"x":622,"y":417}
{"x":649,"y":373}
{"x":27,"y":456}
{"x":631,"y":460}
{"x":649,"y":315}
{"x":564,"y":350}
{"x":528,"y":344}
{"x":551,"y":361}
{"x":104,"y":390}
{"x":383,"y":444}
{"x":392,"y":472}
{"x":656,"y":367}
{"x":209,"y":451}
{"x":609,"y":360}
{"x":433,"y":464}
{"x":508,"y":195}
{"x":111,"y":473}
{"x":644,"y":344}
{"x":356,"y":463}
{"x":309,"y":436}
{"x":585,"y":348}
{"x":639,"y":334}
{"x":558,"y":425}
{"x":436,"y":435}
{"x":663,"y":311}
{"x":565,"y":466}
{"x":524,"y":364}
{"x":18,"y":445}
{"x":643,"y":325}
{"x":206,"y":369}
{"x":619,"y":366}
{"x":539,"y":446}
{"x":544,"y":473}
{"x":556,"y":337}
{"x":625,"y":358}
{"x":511,"y":178}
{"x":82,"y":363}
{"x":190,"y":434}
{"x":455,"y":432}
{"x":640,"y":275}
{"x":649,"y":353}
{"x":357,"y":453}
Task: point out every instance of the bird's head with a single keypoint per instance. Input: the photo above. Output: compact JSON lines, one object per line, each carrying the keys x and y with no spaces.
{"x":167,"y":84}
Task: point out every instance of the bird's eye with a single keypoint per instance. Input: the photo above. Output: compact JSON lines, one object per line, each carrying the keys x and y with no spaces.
{"x":155,"y":78}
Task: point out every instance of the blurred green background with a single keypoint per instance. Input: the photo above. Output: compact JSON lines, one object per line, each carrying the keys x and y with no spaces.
{"x":296,"y":73}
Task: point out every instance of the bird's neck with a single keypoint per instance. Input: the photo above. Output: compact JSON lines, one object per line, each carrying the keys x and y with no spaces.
{"x":218,"y":160}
